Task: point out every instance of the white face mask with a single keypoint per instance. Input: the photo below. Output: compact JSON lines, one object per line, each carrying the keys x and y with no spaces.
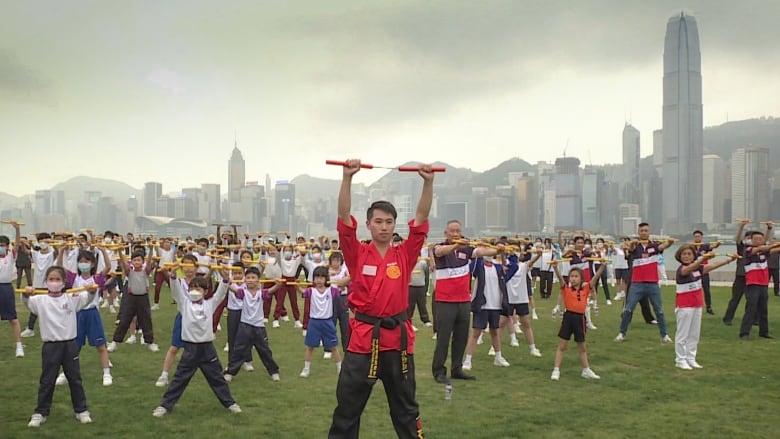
{"x":196,"y":295}
{"x":316,"y":257}
{"x":55,"y":286}
{"x":107,"y":241}
{"x":44,"y":246}
{"x":271,"y":260}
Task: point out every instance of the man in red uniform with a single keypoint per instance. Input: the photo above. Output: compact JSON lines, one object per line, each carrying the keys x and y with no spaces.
{"x":381,"y":343}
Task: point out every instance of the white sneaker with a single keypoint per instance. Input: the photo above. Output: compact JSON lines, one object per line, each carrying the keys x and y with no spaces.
{"x":154,"y":348}
{"x":327,"y":355}
{"x":162,"y":381}
{"x":492,"y":352}
{"x":61,"y":380}
{"x":591,"y":326}
{"x":28,"y":333}
{"x":434,"y":336}
{"x":275,"y":377}
{"x":535,"y":352}
{"x":479,"y":340}
{"x":235,"y":408}
{"x":500,"y":361}
{"x":533,"y":315}
{"x":555,"y":375}
{"x":83,"y":417}
{"x":609,"y":302}
{"x":275,"y":324}
{"x":111,"y":347}
{"x":666,"y":339}
{"x":514,"y":343}
{"x":694,"y":364}
{"x":620,"y":337}
{"x":588,"y":374}
{"x":304,"y":373}
{"x":141,"y":338}
{"x":36,"y":420}
{"x":226,"y":348}
{"x":111,"y":309}
{"x":303,"y":333}
{"x":285,"y":318}
{"x":683,"y":366}
{"x":620,"y":295}
{"x":116,"y":302}
{"x":466,"y":365}
{"x":108,"y":380}
{"x":131,"y":339}
{"x":265,"y":320}
{"x":20,"y":352}
{"x":415,"y":329}
{"x":104,"y":304}
{"x":156,"y":307}
{"x":159,"y":412}
{"x":428,"y":325}
{"x":228,"y":377}
{"x":248,"y":367}
{"x":298,"y":324}
{"x":219,"y":327}
{"x":518,"y":329}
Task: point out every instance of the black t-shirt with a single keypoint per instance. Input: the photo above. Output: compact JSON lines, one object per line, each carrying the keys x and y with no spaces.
{"x":23,"y":259}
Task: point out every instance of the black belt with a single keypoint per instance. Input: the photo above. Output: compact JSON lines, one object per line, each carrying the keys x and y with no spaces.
{"x":387,"y":323}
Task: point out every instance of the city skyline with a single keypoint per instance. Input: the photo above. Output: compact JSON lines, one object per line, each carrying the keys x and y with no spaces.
{"x":388,"y":84}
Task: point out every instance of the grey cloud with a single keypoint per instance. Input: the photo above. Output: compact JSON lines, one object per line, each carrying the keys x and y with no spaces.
{"x":18,"y":82}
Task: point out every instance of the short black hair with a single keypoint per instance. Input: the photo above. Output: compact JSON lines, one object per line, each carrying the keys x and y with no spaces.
{"x":4,"y":240}
{"x":202,"y":240}
{"x":252,"y":270}
{"x":138,"y":254}
{"x":383,"y":206}
{"x":642,"y":225}
{"x":698,"y":232}
{"x":756,"y":232}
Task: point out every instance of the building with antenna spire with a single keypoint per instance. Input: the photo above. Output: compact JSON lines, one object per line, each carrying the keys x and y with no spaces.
{"x":236,"y":174}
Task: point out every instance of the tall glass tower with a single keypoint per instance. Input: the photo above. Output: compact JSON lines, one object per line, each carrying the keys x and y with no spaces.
{"x":682,"y":127}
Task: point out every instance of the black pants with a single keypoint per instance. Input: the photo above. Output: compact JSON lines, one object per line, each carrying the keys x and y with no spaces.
{"x":453,"y":320}
{"x":774,"y":275}
{"x":132,"y":306}
{"x":196,"y":356}
{"x":705,"y":286}
{"x":342,"y":318}
{"x":756,"y":298}
{"x":737,"y":290}
{"x":604,"y":283}
{"x":418,"y":298}
{"x":27,"y":275}
{"x":233,"y":320}
{"x":31,"y":321}
{"x":56,"y":354}
{"x":354,"y":389}
{"x":249,"y":336}
{"x":545,"y":283}
{"x":644,"y":305}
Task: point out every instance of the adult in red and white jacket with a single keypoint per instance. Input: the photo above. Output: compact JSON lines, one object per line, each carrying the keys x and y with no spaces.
{"x":757,"y":281}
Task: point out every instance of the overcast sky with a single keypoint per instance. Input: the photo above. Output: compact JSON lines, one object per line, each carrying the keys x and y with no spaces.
{"x":156,"y":90}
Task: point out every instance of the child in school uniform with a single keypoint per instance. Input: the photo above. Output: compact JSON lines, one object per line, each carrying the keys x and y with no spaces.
{"x":188,"y":269}
{"x":574,"y":296}
{"x":198,"y":339}
{"x":57,"y":314}
{"x":322,"y":303}
{"x":7,"y":297}
{"x":89,"y":323}
{"x":251,"y":329}
{"x":137,"y":300}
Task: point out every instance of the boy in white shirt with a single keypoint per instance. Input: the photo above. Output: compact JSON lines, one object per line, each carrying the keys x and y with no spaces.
{"x":321,"y":301}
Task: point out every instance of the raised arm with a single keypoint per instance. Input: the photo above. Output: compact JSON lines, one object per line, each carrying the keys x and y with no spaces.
{"x":351,"y":167}
{"x":716,"y":265}
{"x":596,"y":277}
{"x":426,"y":197}
{"x":740,"y":228}
{"x":107,"y":259}
{"x":666,"y":243}
{"x":561,"y":281}
{"x":150,"y":262}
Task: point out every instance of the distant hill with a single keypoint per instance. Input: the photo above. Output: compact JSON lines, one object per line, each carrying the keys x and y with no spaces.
{"x":8,"y":199}
{"x":74,"y":188}
{"x":498,"y":176}
{"x":725,"y":138}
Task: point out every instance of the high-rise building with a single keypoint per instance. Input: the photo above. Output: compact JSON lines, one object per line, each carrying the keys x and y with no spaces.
{"x":592,"y":180}
{"x":527,"y":202}
{"x":42,"y":202}
{"x":236,"y":175}
{"x":568,"y":198}
{"x":631,"y":156}
{"x":210,"y":203}
{"x":717,"y":189}
{"x":658,"y":151}
{"x":152,"y":193}
{"x":750,"y":195}
{"x":284,"y":200}
{"x":58,"y":202}
{"x":496,"y":213}
{"x":682,"y":126}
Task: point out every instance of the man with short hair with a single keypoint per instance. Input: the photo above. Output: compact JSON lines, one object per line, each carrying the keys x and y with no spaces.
{"x":452,"y":301}
{"x":644,"y":255}
{"x":756,"y":283}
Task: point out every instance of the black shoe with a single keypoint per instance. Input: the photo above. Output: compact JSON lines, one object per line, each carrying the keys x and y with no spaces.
{"x":710,"y":311}
{"x":769,"y":336}
{"x":441,"y":379}
{"x":462,"y":376}
{"x":744,"y":337}
{"x":727,"y":322}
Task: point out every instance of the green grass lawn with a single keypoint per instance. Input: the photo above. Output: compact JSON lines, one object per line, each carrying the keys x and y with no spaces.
{"x":640,"y":394}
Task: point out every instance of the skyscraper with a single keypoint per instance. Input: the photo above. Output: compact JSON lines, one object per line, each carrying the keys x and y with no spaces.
{"x":285,"y":206}
{"x":750,"y":195}
{"x":682,"y":126}
{"x":717,"y":189}
{"x":631,"y":155}
{"x":152,"y":193}
{"x":236,"y":175}
{"x":568,"y":198}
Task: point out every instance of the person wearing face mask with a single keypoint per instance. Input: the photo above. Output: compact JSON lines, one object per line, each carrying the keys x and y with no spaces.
{"x":289,"y":262}
{"x":57,"y":312}
{"x":308,"y":265}
{"x":42,"y":257}
{"x":273,"y":270}
{"x":7,"y":298}
{"x":89,"y":324}
{"x":738,"y":286}
{"x":198,"y":338}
